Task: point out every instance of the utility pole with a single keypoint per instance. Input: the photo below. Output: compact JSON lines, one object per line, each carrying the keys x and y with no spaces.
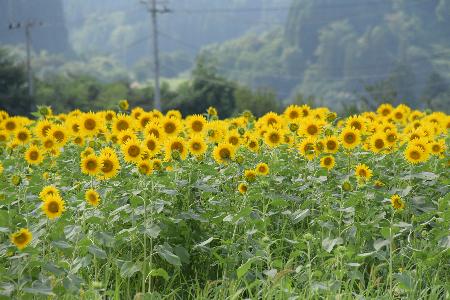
{"x":154,"y":11}
{"x":28,"y":26}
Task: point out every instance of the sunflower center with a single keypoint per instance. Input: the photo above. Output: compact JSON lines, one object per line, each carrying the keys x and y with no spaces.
{"x":385,"y":112}
{"x":177,"y":146}
{"x":34,"y":155}
{"x":90,"y":124}
{"x":78,"y":140}
{"x":362,"y":173}
{"x":331,"y":145}
{"x":48,"y":144}
{"x":21,"y":238}
{"x":92,"y":198}
{"x":197,"y":126}
{"x":262,"y":169}
{"x":59,"y":135}
{"x":274,"y":137}
{"x":122,"y":125}
{"x":379,"y":144}
{"x":224,"y":153}
{"x":327,"y":161}
{"x":350,"y":138}
{"x":398,"y":115}
{"x":312,"y":129}
{"x":233,"y":140}
{"x":414,"y":155}
{"x":144,"y":121}
{"x":196,"y":146}
{"x":23,"y":136}
{"x":252,"y":144}
{"x":108,"y":166}
{"x":436,"y":148}
{"x":75,"y":127}
{"x":151,"y":145}
{"x":53,"y":207}
{"x":169,"y":128}
{"x":91,"y":165}
{"x":10,"y":126}
{"x":134,"y":151}
{"x":45,"y":129}
{"x":293,"y":114}
{"x":356,"y":125}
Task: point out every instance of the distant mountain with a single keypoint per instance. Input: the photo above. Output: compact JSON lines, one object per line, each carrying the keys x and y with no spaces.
{"x":51,"y":35}
{"x":334,"y":48}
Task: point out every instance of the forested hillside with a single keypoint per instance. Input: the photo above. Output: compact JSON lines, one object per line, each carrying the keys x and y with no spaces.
{"x":333,"y":49}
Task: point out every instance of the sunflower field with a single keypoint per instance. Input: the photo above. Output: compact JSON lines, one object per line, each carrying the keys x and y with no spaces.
{"x":134,"y":204}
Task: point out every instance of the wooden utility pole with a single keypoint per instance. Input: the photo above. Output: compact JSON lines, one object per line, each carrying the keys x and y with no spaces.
{"x":154,"y":11}
{"x":27,"y":26}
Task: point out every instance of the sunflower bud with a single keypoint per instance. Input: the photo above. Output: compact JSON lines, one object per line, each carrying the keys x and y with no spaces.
{"x":16,"y":180}
{"x":293,"y":127}
{"x":241,"y":130}
{"x":123,"y":104}
{"x":240,"y":159}
{"x":328,"y":132}
{"x":347,"y":186}
{"x":308,"y":237}
{"x":331,"y":117}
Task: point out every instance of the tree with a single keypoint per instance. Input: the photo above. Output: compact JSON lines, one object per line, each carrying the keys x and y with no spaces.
{"x":13,"y":86}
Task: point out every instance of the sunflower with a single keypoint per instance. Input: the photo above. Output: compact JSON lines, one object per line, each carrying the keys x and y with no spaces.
{"x":171,"y":126}
{"x":90,"y":165}
{"x":21,"y":238}
{"x":174,"y":113}
{"x":215,"y":131}
{"x":223,"y":153}
{"x":397,"y":202}
{"x":132,"y":150}
{"x":250,"y":175}
{"x":58,"y":132}
{"x":196,"y":123}
{"x":307,"y":148}
{"x":48,"y":191}
{"x":271,"y":119}
{"x":175,"y":147}
{"x":234,"y":138}
{"x":121,"y":123}
{"x":144,"y":167}
{"x":377,"y":142}
{"x":11,"y":124}
{"x":243,"y":188}
{"x":262,"y":169}
{"x":42,"y":127}
{"x":123,"y":104}
{"x":154,"y":128}
{"x":363,"y":172}
{"x":310,"y":127}
{"x":34,"y":155}
{"x":53,"y":206}
{"x":253,"y":144}
{"x":125,"y":135}
{"x":78,"y":140}
{"x":109,"y":115}
{"x":92,"y":197}
{"x":415,"y":154}
{"x":438,"y":147}
{"x":152,"y":145}
{"x":144,"y":119}
{"x":357,"y":122}
{"x":109,"y":165}
{"x":350,"y":138}
{"x":23,"y":135}
{"x":327,"y":162}
{"x":90,"y":124}
{"x":293,"y":112}
{"x":156,"y":164}
{"x":197,"y":145}
{"x":273,"y":137}
{"x":212,"y":111}
{"x":137,"y":112}
{"x":385,"y":109}
{"x":331,"y":144}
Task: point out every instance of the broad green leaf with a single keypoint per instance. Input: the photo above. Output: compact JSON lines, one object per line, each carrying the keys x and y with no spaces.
{"x":153,"y":231}
{"x":380,"y":243}
{"x":128,"y":269}
{"x":243,"y":269}
{"x":159,"y":273}
{"x":328,"y":244}
{"x":167,"y":255}
{"x":299,"y":215}
{"x":96,"y":251}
